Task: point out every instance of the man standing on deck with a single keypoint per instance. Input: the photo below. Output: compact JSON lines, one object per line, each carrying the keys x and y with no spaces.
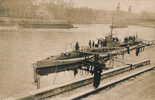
{"x":93,"y":44}
{"x":137,"y":51}
{"x":77,"y":47}
{"x":128,"y":49}
{"x":90,"y":43}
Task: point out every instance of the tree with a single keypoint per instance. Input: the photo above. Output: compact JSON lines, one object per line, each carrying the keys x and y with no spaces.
{"x":17,"y":7}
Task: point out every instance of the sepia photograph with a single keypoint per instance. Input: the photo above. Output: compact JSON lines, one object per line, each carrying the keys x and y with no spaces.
{"x":77,"y":49}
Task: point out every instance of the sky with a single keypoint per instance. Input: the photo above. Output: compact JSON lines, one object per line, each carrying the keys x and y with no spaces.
{"x":137,"y":5}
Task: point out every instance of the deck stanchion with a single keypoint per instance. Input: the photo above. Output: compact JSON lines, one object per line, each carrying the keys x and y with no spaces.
{"x":35,"y":72}
{"x":36,"y":76}
{"x":38,"y":82}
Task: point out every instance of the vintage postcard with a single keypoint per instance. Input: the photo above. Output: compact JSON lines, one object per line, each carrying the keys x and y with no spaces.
{"x":77,"y":49}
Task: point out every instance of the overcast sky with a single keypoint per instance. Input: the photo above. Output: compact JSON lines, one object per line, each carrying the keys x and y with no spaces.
{"x":137,"y":5}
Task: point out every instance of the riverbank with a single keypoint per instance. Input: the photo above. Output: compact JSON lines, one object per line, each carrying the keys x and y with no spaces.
{"x":34,"y":23}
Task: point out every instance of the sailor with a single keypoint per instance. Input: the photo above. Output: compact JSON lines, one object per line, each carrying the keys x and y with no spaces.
{"x":126,"y":40}
{"x":77,"y":47}
{"x":97,"y":71}
{"x":98,"y":43}
{"x":128,"y":49}
{"x":75,"y":72}
{"x":102,"y":43}
{"x":93,"y":44}
{"x":90,"y":44}
{"x":137,"y":51}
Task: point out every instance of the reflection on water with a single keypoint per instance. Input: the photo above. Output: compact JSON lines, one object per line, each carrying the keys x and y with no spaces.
{"x":20,"y":48}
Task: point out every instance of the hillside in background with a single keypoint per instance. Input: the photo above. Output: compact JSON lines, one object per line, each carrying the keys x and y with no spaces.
{"x":65,"y":11}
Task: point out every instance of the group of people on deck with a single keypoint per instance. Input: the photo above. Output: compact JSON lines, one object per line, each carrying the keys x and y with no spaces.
{"x":130,"y":38}
{"x":96,"y":44}
{"x":92,"y":44}
{"x":102,"y":42}
{"x":99,"y":43}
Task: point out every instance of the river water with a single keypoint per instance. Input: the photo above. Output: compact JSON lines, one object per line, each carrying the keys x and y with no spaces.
{"x":19,"y":48}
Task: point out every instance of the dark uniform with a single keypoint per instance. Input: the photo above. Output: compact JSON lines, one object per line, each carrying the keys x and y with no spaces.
{"x":90,"y":45}
{"x":77,"y":47}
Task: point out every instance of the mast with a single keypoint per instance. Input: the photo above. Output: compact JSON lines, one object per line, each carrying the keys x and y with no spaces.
{"x":114,"y":14}
{"x":112,"y":26}
{"x":117,"y":12}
